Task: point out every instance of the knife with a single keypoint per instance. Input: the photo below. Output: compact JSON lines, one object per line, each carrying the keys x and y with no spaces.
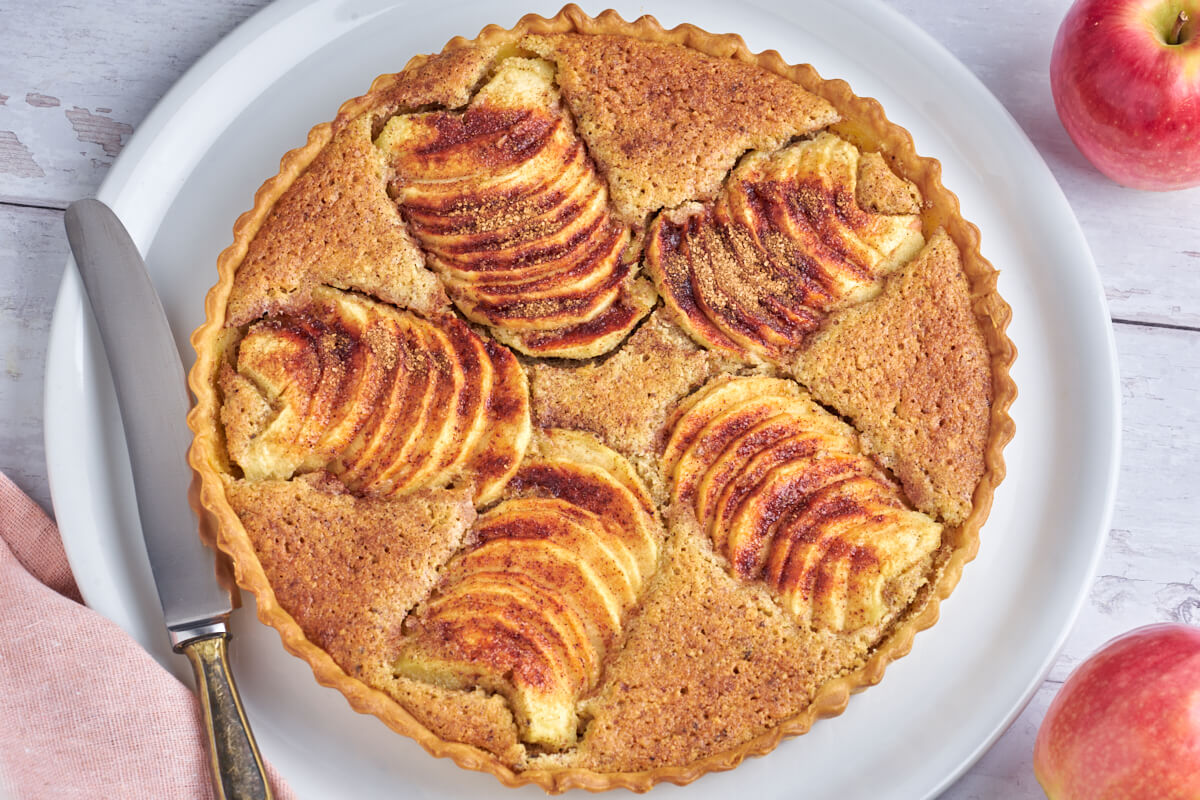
{"x":153,"y":400}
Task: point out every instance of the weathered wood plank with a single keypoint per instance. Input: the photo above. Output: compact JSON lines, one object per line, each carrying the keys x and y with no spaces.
{"x":33,"y":252}
{"x":75,"y":83}
{"x":1144,"y":242}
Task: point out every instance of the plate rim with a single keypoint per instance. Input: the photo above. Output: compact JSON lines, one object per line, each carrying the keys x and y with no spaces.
{"x":116,"y":184}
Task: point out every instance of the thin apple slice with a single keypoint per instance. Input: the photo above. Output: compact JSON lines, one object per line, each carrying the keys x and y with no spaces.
{"x":810,"y":191}
{"x":507,"y":428}
{"x":583,"y":449}
{"x":609,"y":502}
{"x":831,"y":511}
{"x":813,"y":450}
{"x":551,"y":523}
{"x":363,"y":336}
{"x":731,"y":462}
{"x":544,"y":260}
{"x":436,"y":427}
{"x":439,"y":207}
{"x":731,"y":293}
{"x":473,"y":612}
{"x":460,"y":414}
{"x":400,"y":404}
{"x":831,"y":562}
{"x":534,"y":600}
{"x":668,"y":263}
{"x":704,"y":405}
{"x":566,"y":305}
{"x":748,"y":529}
{"x":277,"y":358}
{"x":573,"y":612}
{"x":595,"y":337}
{"x":467,"y":195}
{"x":553,"y":564}
{"x":521,"y":315}
{"x":880,"y":552}
{"x":329,"y":341}
{"x":587,"y":266}
{"x":555,"y":208}
{"x":492,"y":237}
{"x":717,"y":434}
{"x":484,"y":151}
{"x":467,"y":410}
{"x":619,"y":498}
{"x":491,"y":643}
{"x":782,"y":299}
{"x":427,"y":388}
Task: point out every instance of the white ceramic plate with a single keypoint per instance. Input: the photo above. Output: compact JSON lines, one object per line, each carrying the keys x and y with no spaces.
{"x":194,"y":166}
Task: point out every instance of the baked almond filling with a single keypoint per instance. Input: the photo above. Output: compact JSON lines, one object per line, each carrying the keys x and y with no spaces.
{"x":598,"y":409}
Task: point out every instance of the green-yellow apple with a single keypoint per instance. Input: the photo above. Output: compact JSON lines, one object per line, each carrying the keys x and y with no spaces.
{"x":1125,"y":75}
{"x":1126,"y":724}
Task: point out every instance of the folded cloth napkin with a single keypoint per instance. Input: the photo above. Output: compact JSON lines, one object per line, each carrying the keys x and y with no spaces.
{"x":85,"y":712}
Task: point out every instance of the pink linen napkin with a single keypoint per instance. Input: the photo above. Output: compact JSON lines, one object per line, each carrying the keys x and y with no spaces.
{"x":85,"y":712}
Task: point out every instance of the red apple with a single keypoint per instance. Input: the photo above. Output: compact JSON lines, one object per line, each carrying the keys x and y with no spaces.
{"x":1125,"y":75}
{"x":1126,"y":724}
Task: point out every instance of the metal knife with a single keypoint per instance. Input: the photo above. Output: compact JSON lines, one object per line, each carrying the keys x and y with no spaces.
{"x":153,"y":399}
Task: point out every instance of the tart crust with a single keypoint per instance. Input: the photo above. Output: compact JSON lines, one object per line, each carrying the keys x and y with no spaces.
{"x":463,"y":63}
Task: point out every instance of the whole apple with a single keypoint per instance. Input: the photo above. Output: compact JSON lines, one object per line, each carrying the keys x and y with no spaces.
{"x":1126,"y":724}
{"x":1125,"y":75}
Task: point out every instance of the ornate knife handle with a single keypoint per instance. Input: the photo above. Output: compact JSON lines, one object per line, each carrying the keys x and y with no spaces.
{"x":236,"y":764}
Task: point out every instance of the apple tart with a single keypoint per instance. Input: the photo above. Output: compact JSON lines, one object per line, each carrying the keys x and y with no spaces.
{"x":599,"y":404}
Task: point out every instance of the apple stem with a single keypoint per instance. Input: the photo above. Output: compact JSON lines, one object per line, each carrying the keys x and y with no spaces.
{"x":1180,"y":21}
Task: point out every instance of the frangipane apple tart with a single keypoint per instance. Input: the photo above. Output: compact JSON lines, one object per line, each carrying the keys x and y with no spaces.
{"x":598,"y":404}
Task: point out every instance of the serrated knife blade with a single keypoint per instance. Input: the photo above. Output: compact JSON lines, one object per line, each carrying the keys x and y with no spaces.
{"x":153,"y":400}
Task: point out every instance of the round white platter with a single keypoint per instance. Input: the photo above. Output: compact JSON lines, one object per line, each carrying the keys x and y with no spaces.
{"x":194,"y":165}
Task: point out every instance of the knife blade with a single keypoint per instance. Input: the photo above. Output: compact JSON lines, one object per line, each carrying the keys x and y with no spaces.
{"x":153,"y":401}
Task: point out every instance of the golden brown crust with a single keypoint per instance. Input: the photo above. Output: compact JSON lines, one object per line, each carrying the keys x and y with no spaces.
{"x":335,"y":225}
{"x":737,"y":667}
{"x":476,"y":718}
{"x":624,"y":399}
{"x":348,"y":569}
{"x":912,"y":371}
{"x":445,"y":80}
{"x":431,"y":721}
{"x":665,"y":126}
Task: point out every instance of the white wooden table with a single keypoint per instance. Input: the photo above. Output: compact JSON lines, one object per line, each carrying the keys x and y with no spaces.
{"x":77,"y":79}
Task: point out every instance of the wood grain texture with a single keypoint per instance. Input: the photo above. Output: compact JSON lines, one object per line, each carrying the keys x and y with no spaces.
{"x":76,"y":79}
{"x":67,"y":109}
{"x":33,"y":253}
